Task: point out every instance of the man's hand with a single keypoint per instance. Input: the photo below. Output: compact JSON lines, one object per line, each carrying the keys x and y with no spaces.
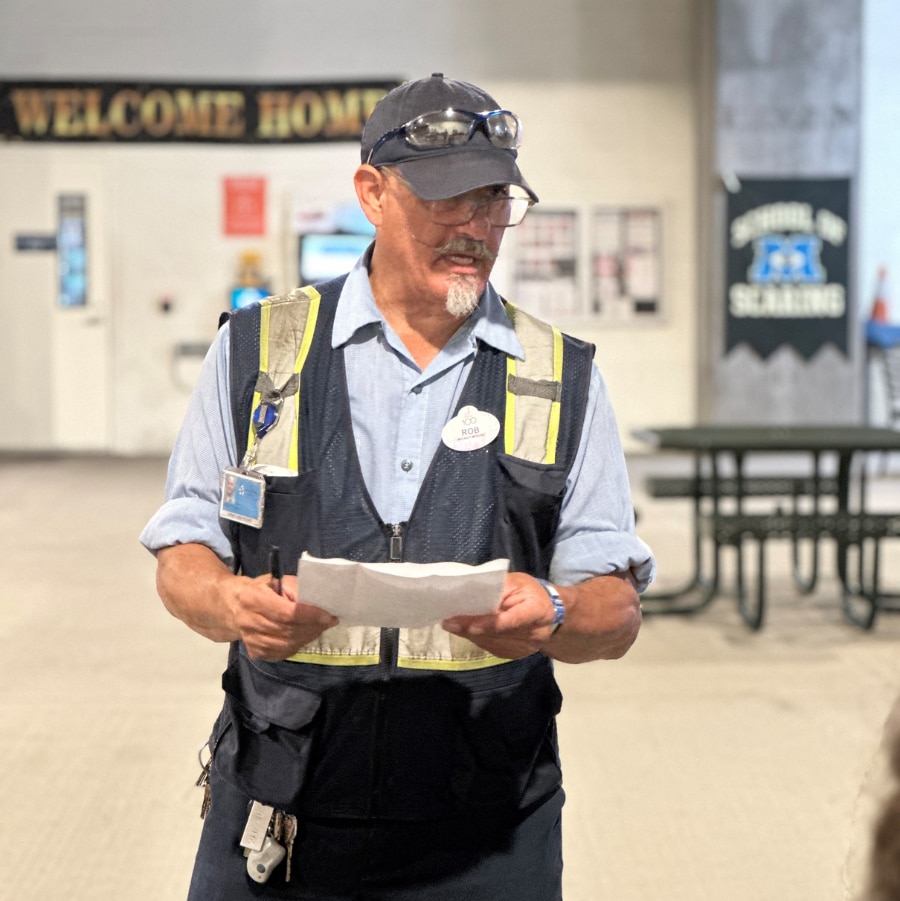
{"x":274,"y":626}
{"x":199,"y":589}
{"x":603,"y":616}
{"x":521,"y":624}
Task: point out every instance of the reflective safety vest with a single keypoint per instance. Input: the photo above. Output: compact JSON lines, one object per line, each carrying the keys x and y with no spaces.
{"x":402,"y":724}
{"x":501,"y":501}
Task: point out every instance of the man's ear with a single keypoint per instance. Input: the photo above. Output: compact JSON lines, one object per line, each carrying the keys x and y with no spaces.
{"x":370,"y":184}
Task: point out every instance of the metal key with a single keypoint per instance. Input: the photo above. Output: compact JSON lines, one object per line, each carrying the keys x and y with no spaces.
{"x":206,"y":803}
{"x":203,"y":778}
{"x":276,"y":827}
{"x":290,"y":833}
{"x":203,"y":781}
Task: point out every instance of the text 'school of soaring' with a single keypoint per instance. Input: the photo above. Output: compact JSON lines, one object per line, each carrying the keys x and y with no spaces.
{"x":267,"y":114}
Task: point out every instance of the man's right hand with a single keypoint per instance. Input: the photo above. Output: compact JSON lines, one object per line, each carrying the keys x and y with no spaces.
{"x":201,"y":591}
{"x":273,"y":626}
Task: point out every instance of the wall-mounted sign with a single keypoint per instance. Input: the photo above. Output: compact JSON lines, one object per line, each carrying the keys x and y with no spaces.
{"x":788,"y":265}
{"x":35,"y":242}
{"x":244,"y":205}
{"x":78,"y":112}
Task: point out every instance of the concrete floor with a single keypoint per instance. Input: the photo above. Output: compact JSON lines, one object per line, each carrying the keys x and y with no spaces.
{"x":709,"y":763}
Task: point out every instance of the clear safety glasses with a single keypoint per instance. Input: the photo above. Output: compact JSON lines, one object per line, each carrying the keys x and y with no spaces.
{"x":501,"y":209}
{"x":449,"y":127}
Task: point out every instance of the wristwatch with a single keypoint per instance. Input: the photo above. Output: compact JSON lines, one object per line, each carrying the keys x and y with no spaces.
{"x":559,"y":611}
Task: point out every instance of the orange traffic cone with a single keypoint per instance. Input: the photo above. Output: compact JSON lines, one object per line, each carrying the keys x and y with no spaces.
{"x":880,"y":305}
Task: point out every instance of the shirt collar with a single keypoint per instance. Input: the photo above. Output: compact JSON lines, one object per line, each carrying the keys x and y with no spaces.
{"x":357,"y":309}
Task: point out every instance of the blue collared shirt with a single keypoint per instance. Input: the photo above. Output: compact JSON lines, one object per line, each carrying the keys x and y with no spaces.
{"x":398,"y":412}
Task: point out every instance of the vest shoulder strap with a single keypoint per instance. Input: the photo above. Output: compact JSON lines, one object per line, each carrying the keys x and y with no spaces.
{"x":287,"y":323}
{"x":533,"y":390}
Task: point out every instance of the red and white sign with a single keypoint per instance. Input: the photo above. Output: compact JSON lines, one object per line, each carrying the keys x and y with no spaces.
{"x":244,"y":205}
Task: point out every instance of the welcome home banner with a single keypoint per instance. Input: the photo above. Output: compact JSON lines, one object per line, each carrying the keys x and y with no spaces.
{"x":150,"y":112}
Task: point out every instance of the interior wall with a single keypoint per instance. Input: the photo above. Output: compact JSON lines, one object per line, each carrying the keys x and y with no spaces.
{"x":28,"y":311}
{"x":606,"y":92}
{"x":787,"y":106}
{"x":517,"y":40}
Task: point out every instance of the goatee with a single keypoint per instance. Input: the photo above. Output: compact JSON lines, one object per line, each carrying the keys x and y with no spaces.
{"x":462,"y":296}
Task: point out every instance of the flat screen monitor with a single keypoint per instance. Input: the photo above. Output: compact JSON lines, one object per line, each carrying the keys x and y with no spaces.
{"x":323,"y":257}
{"x":243,"y":297}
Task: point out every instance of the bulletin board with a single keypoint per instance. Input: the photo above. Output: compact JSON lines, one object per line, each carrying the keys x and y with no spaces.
{"x":609,"y":271}
{"x":546,"y":269}
{"x":626,"y":263}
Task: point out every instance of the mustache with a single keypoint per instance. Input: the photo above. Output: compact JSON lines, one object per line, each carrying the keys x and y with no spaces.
{"x":469,"y":247}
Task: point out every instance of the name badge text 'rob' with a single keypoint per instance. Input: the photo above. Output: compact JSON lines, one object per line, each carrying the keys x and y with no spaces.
{"x":471,"y":429}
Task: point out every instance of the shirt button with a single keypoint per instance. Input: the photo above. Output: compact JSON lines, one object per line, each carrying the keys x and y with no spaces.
{"x":406,"y":465}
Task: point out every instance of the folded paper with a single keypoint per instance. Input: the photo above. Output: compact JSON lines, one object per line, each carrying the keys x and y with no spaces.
{"x":399,"y":595}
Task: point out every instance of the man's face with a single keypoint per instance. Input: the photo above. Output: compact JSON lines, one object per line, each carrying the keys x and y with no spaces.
{"x":432,"y":258}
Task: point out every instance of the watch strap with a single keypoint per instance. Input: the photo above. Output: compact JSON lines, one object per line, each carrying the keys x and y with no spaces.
{"x":559,"y":610}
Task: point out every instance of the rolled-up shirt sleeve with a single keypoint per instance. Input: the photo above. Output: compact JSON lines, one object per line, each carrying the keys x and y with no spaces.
{"x":204,"y":447}
{"x":596,"y":534}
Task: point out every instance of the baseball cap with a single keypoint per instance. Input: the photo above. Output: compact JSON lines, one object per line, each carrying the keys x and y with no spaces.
{"x":439,"y":172}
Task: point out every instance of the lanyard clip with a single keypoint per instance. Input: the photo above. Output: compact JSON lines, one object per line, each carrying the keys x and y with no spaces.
{"x":266,"y":415}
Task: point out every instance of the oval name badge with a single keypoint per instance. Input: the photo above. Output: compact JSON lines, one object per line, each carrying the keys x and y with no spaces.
{"x":471,"y":429}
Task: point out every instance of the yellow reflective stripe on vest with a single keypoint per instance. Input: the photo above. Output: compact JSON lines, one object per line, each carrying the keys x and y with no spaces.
{"x":286,"y":329}
{"x":533,"y":390}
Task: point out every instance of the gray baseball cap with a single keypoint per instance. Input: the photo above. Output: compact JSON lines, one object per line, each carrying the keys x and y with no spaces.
{"x":437,"y":172}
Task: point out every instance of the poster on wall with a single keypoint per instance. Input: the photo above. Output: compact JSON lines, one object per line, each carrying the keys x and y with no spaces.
{"x":244,"y":205}
{"x":546,"y":268}
{"x":788,"y":265}
{"x":626,"y":263}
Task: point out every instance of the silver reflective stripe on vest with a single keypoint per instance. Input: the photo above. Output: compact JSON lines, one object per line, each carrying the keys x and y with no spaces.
{"x":531,"y":430}
{"x":427,"y":648}
{"x":533,"y":390}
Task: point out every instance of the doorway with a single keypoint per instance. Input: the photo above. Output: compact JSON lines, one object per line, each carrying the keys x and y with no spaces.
{"x":55,"y":341}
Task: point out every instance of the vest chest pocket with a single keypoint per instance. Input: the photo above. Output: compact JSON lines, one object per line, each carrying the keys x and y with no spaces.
{"x":290,"y":520}
{"x":529,"y":499}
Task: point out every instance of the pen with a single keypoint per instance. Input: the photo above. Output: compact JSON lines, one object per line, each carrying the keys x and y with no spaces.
{"x":275,"y":569}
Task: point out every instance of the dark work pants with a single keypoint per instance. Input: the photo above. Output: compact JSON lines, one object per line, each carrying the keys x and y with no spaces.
{"x":478,"y":859}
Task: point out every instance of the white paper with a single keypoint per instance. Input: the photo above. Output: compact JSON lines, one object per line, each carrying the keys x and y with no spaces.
{"x":399,"y":595}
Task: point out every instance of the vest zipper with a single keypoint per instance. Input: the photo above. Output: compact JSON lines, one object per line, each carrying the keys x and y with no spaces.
{"x":390,"y":638}
{"x":387,"y":664}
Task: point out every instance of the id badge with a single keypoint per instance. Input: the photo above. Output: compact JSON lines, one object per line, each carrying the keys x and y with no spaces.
{"x":243,"y":496}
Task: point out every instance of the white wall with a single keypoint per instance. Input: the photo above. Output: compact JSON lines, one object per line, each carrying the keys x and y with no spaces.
{"x":606,"y":92}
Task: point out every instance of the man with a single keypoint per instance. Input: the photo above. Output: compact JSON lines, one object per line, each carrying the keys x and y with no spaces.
{"x":352,"y":762}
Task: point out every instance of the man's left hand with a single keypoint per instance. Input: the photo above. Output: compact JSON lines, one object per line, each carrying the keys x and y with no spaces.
{"x":520,"y":625}
{"x":603,"y":616}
